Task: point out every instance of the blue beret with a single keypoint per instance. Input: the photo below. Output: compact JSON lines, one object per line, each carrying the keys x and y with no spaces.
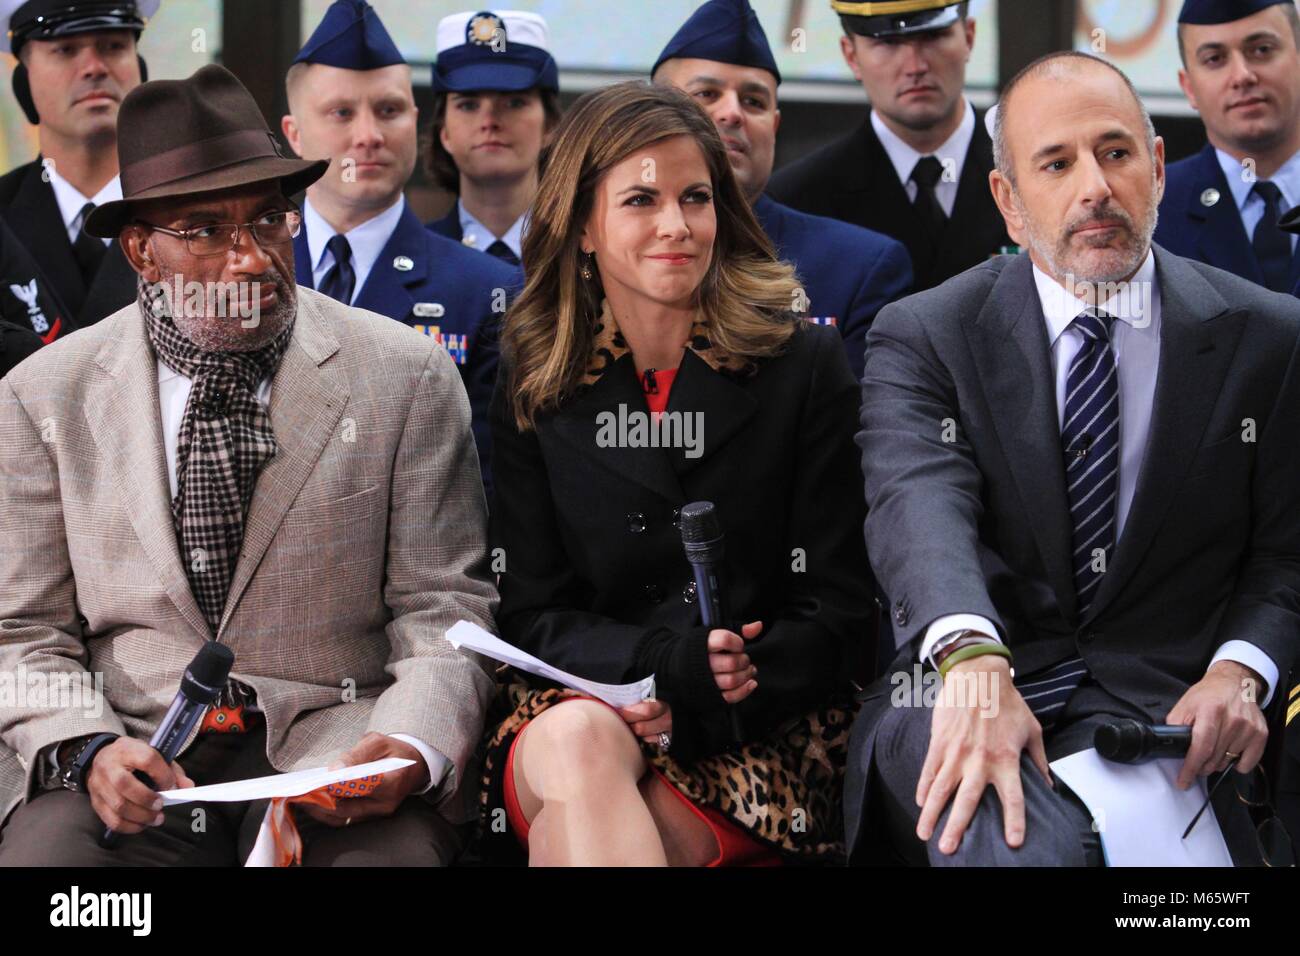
{"x":1208,"y":12}
{"x":725,"y":31}
{"x":350,"y":37}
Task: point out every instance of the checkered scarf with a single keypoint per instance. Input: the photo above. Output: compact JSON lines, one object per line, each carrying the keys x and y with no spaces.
{"x":225,"y":439}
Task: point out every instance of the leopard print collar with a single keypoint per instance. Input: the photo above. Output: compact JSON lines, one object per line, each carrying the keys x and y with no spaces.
{"x":608,"y":346}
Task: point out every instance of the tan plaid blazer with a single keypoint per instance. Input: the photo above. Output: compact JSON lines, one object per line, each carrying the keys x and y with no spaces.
{"x":365,"y":541}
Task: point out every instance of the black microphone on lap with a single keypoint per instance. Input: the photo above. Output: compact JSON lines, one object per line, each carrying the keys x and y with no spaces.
{"x":200,"y":687}
{"x":1133,"y":741}
{"x":702,"y":538}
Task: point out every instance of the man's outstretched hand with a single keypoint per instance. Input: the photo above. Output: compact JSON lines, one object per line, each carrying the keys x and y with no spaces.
{"x":976,"y":740}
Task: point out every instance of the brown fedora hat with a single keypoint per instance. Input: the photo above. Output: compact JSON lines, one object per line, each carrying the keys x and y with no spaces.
{"x":179,"y":137}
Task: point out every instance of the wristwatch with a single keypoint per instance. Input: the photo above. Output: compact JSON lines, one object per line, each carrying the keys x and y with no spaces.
{"x":73,"y":774}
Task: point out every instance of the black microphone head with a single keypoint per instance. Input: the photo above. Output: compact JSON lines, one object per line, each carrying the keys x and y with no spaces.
{"x":1123,"y":740}
{"x":701,"y":531}
{"x":208,"y":672}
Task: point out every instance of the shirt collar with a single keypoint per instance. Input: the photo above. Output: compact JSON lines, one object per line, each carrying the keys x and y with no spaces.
{"x":1287,"y":179}
{"x":904,"y":157}
{"x":71,"y":199}
{"x":366,"y":240}
{"x":1129,"y":304}
{"x":478,"y":236}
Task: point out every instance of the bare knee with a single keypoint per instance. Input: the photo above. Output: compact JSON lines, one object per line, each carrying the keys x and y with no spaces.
{"x":579,"y":745}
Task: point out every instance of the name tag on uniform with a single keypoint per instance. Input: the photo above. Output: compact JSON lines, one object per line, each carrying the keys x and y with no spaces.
{"x":457,"y":346}
{"x":429,"y":310}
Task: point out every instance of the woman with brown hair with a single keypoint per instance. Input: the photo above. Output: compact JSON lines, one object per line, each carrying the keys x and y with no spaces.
{"x":495,"y":99}
{"x":652,"y":360}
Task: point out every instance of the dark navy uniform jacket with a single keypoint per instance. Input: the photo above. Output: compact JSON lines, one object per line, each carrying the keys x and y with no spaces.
{"x":26,"y":297}
{"x":449,"y":292}
{"x":448,"y":225}
{"x":1198,"y":225}
{"x":29,"y":209}
{"x":849,"y":273}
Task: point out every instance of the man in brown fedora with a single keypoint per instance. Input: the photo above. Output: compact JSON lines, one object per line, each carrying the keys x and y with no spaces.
{"x":233,"y":458}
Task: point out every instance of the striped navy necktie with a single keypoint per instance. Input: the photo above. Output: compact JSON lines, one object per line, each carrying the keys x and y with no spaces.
{"x":1090,"y":441}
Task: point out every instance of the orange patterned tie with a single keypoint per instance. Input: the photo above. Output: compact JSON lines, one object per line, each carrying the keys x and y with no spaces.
{"x":288,"y":843}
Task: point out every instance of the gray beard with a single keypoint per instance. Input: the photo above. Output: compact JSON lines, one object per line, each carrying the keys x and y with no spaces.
{"x":216,"y":333}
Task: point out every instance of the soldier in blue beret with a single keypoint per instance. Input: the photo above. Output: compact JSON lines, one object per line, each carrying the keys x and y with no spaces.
{"x":496,"y":97}
{"x":918,"y":168}
{"x":351,"y":102}
{"x":721,"y":57}
{"x":1223,"y":206}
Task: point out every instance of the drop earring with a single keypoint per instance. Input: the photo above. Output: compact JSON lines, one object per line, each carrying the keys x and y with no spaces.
{"x":585,"y":270}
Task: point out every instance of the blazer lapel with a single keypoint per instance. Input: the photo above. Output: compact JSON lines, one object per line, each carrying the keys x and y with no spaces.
{"x":881,"y":195}
{"x":306,"y":404}
{"x":386,"y":288}
{"x":1014,"y":361}
{"x":302,"y":264}
{"x":585,"y":423}
{"x":448,"y":225}
{"x":113,"y":288}
{"x":127,"y":426}
{"x":719,"y":405}
{"x":1198,"y":336}
{"x":1222,"y":238}
{"x":35,"y":218}
{"x":971,"y":203}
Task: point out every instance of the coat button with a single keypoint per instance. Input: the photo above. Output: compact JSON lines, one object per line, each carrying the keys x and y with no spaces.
{"x":636,"y":522}
{"x":688,"y":593}
{"x":654,"y":593}
{"x":1087,"y":637}
{"x":900,"y":615}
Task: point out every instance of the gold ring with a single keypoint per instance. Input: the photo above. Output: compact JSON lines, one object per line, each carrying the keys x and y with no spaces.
{"x":1230,"y":755}
{"x":347,"y":822}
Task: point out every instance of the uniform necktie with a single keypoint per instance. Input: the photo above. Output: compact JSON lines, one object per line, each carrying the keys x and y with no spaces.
{"x":1272,"y":245}
{"x":89,"y":251}
{"x":503,"y":252}
{"x":341,"y":280}
{"x":1090,"y":440}
{"x":926,"y":174}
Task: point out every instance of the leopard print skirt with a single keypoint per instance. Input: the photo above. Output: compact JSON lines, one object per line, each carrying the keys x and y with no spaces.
{"x":784,"y":790}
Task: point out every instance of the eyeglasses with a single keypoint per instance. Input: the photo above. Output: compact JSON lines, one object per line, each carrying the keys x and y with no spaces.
{"x":1271,"y":837}
{"x":218,"y":238}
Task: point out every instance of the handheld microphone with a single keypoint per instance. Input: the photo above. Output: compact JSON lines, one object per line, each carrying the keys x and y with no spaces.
{"x":703,"y":541}
{"x":1133,"y":741}
{"x":200,"y":687}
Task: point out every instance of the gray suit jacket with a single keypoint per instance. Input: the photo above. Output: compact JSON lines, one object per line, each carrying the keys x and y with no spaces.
{"x":1211,"y":548}
{"x":365,"y":541}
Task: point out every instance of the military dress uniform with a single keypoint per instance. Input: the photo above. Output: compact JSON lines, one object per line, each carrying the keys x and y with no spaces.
{"x":90,"y":278}
{"x":939,"y":205}
{"x":487,"y":52}
{"x":391,"y":264}
{"x":1215,"y":209}
{"x":1201,"y":217}
{"x":847,"y":273}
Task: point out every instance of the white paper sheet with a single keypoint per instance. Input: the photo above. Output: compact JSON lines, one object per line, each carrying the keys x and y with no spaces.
{"x":1141,"y":814}
{"x":470,"y":635}
{"x":280,"y":784}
